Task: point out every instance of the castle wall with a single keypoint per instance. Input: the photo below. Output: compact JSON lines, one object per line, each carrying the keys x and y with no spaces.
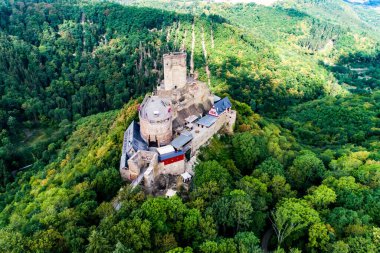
{"x":176,"y":168}
{"x":138,"y":163}
{"x":124,"y":173}
{"x":202,"y":135}
{"x":230,"y":122}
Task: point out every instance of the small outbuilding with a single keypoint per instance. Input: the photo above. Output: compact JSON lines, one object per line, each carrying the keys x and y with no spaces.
{"x":170,"y":193}
{"x":186,"y":177}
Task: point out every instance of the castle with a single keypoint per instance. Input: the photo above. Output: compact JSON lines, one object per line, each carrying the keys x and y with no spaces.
{"x":174,"y":121}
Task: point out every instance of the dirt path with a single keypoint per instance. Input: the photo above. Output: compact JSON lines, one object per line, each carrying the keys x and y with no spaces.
{"x":265,"y":240}
{"x":192,"y":48}
{"x":205,"y":57}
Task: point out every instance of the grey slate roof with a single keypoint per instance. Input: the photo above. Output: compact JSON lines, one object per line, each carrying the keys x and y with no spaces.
{"x":182,"y":139}
{"x":207,"y":120}
{"x":123,"y":161}
{"x":222,"y":105}
{"x":133,"y":139}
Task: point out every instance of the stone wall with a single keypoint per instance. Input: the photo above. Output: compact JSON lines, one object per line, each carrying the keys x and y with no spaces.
{"x":176,"y":168}
{"x":230,"y":122}
{"x":203,"y":134}
{"x":140,"y":161}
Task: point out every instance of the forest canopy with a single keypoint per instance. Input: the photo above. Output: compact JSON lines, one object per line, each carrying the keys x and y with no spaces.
{"x":301,"y":173}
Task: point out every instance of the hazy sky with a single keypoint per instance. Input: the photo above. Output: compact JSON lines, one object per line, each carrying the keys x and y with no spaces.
{"x":264,"y":2}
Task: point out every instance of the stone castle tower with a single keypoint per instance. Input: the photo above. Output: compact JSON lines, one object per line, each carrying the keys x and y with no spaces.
{"x":177,"y":97}
{"x":174,"y":70}
{"x":156,"y":121}
{"x":156,"y":115}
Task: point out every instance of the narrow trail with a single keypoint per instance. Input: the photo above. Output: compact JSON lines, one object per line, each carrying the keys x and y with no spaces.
{"x":141,"y":56}
{"x":176,"y":42}
{"x":212,"y":37}
{"x":183,"y":45}
{"x":192,"y":49}
{"x":205,"y":58}
{"x":265,"y":240}
{"x":82,"y":21}
{"x":168,"y":34}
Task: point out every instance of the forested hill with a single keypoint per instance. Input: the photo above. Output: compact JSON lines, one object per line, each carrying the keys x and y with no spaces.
{"x":300,"y":174}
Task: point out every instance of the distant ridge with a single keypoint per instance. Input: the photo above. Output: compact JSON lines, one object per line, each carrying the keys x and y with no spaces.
{"x":262,"y":2}
{"x":371,"y":3}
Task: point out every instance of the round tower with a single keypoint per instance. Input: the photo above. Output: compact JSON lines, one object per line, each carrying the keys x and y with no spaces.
{"x":174,"y":70}
{"x":156,"y":121}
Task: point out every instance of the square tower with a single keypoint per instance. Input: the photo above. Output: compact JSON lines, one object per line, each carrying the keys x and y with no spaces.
{"x":174,"y":70}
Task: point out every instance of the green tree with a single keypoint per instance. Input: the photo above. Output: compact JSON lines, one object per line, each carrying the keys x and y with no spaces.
{"x":212,"y":171}
{"x":247,"y":242}
{"x":280,"y":189}
{"x":248,"y":149}
{"x":340,"y":247}
{"x":181,"y":250}
{"x":120,"y":248}
{"x":209,"y":247}
{"x":306,"y":170}
{"x":321,"y":196}
{"x":107,"y":183}
{"x":133,"y":233}
{"x":359,"y":244}
{"x":272,"y":167}
{"x":319,"y":236}
{"x":291,"y":216}
{"x":11,"y":241}
{"x":233,"y":211}
{"x":222,"y":246}
{"x":47,"y":241}
{"x":98,"y":243}
{"x":341,"y":218}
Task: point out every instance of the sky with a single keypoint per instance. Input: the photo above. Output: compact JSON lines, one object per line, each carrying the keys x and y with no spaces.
{"x":263,"y":2}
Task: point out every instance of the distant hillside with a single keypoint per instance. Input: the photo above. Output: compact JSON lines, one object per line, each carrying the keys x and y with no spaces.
{"x":341,"y":13}
{"x":313,"y":33}
{"x":370,"y":3}
{"x":263,"y":2}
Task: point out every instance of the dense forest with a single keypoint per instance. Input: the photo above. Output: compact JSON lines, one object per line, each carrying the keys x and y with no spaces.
{"x":301,"y":173}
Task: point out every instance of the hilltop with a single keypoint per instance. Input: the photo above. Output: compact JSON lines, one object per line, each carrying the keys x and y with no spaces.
{"x":302,"y":75}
